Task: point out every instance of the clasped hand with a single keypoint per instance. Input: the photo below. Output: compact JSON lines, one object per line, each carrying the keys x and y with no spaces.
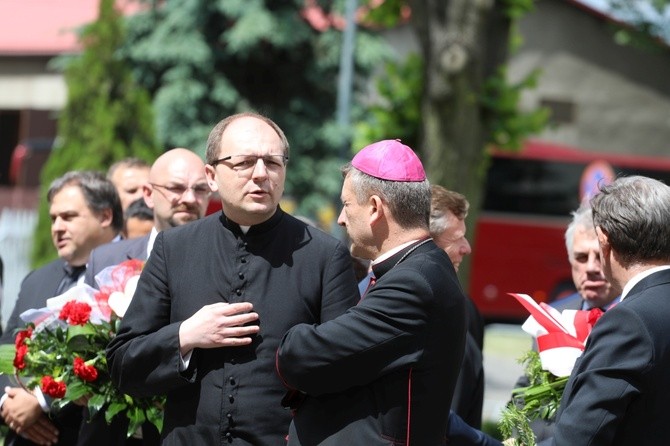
{"x":23,"y":414}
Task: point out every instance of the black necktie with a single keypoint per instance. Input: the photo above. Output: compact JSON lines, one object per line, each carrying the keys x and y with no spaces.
{"x":70,"y":279}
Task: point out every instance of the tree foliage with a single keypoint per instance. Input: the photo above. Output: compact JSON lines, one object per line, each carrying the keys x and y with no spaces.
{"x":203,"y":60}
{"x":107,"y":116}
{"x":462,"y":102}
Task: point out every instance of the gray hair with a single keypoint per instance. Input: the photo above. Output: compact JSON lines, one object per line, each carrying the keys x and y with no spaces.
{"x":99,"y":193}
{"x":409,"y":201}
{"x":634,"y":213}
{"x":214,"y":139}
{"x":581,"y":218}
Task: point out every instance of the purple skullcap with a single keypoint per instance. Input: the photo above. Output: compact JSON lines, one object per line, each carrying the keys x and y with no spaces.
{"x":389,"y":160}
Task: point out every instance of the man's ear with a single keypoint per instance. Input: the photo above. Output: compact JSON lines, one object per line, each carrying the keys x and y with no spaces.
{"x":210,"y":173}
{"x":147,"y":193}
{"x":106,"y":217}
{"x":376,"y":208}
{"x":603,"y":241}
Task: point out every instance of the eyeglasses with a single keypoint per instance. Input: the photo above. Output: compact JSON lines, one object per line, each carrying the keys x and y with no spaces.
{"x":177,"y":191}
{"x":245,"y":164}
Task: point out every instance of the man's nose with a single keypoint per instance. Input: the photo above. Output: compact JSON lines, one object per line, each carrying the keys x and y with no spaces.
{"x":57,"y":225}
{"x":466,"y":248}
{"x":260,"y":169}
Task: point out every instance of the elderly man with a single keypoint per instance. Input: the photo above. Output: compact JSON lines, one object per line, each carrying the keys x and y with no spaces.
{"x":618,"y":391}
{"x":216,"y":296}
{"x":85,"y":212}
{"x":593,"y":289}
{"x":384,"y":372}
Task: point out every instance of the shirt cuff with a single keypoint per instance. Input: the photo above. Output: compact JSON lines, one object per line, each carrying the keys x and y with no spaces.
{"x":40,"y":398}
{"x":185,"y":361}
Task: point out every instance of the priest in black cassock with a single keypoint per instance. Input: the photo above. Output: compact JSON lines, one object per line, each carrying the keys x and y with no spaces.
{"x":217,"y":295}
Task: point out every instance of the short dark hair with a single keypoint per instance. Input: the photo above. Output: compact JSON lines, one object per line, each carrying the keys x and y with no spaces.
{"x":139,"y":209}
{"x":214,"y":139}
{"x":99,"y":193}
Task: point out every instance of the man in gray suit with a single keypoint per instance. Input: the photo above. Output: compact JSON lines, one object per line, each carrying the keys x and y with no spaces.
{"x":178,"y":194}
{"x":85,"y":212}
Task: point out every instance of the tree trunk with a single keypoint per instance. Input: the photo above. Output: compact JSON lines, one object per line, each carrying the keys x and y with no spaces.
{"x":463,"y":42}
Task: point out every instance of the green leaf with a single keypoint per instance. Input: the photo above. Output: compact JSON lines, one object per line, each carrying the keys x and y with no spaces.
{"x":155,"y":416}
{"x":7,"y":353}
{"x":113,"y":410}
{"x":75,"y":391}
{"x":136,"y":418}
{"x":96,"y":402}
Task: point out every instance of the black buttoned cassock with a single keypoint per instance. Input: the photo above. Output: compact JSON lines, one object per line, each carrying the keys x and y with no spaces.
{"x":291,"y":272}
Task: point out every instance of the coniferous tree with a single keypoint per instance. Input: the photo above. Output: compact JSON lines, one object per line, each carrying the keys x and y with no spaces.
{"x":108,"y":116}
{"x":203,"y":60}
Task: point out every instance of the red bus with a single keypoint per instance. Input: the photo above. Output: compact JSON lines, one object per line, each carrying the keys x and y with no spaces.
{"x":519,"y":235}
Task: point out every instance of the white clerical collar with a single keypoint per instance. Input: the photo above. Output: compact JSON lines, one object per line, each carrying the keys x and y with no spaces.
{"x":638,"y":277}
{"x":392,"y":251}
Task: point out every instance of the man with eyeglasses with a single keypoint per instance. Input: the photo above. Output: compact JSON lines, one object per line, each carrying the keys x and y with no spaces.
{"x":217,"y":295}
{"x":178,"y":193}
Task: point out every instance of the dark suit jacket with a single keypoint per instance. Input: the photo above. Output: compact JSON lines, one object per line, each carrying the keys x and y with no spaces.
{"x":38,"y":286}
{"x":384,"y":372}
{"x":96,"y":431}
{"x":291,"y":272}
{"x":113,"y":254}
{"x":619,"y":390}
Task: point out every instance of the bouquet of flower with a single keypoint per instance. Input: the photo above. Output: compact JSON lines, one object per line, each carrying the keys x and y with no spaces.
{"x":561,"y":338}
{"x":61,"y":350}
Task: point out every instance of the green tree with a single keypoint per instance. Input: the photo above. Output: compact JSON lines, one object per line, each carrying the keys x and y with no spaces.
{"x":462,"y":102}
{"x":107,"y":116}
{"x":203,"y":60}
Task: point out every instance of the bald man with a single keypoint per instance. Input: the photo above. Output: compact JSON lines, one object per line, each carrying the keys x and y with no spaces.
{"x":178,"y":193}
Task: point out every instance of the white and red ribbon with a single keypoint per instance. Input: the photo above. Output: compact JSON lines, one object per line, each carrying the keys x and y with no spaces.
{"x":561,"y":336}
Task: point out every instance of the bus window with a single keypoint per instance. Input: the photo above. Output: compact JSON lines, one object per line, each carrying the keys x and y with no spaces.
{"x":519,"y":235}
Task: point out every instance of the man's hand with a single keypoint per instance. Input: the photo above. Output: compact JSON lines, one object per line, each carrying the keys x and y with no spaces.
{"x":23,"y":414}
{"x":218,"y":325}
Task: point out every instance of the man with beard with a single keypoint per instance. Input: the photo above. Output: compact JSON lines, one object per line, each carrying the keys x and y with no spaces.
{"x":178,"y":194}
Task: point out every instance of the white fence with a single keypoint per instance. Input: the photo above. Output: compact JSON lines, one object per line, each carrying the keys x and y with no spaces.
{"x":16,"y":241}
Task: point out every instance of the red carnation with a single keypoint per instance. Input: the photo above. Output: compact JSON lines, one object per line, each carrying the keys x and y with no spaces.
{"x":22,"y":336}
{"x":53,"y":388}
{"x":21,"y":351}
{"x":86,"y":372}
{"x":75,"y":313}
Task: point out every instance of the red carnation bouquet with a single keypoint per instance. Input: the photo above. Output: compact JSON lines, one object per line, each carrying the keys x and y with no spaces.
{"x":61,"y":350}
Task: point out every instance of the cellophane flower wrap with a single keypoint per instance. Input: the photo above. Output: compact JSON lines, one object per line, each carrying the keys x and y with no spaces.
{"x":560,"y":338}
{"x":61,"y":349}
